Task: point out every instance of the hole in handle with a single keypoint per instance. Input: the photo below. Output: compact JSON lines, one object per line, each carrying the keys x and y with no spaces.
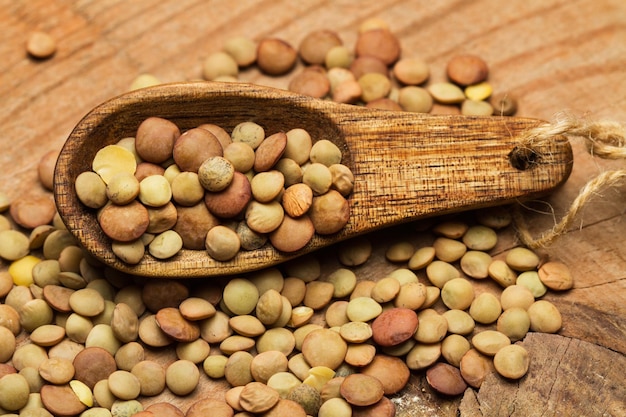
{"x":523,"y":158}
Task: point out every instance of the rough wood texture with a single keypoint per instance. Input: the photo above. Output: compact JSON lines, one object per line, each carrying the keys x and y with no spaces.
{"x":406,"y":166}
{"x":553,"y":55}
{"x":560,"y":367}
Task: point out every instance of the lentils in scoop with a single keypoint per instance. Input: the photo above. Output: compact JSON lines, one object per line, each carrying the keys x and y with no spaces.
{"x":238,"y":183}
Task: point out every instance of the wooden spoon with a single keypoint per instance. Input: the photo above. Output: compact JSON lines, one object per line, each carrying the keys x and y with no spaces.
{"x":406,"y":166}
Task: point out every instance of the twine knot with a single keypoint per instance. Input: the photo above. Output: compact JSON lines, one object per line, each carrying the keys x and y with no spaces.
{"x":604,"y":139}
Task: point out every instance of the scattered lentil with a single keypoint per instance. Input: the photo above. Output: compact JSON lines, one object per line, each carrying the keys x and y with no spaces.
{"x":489,"y":342}
{"x":514,"y":322}
{"x":446,"y":379}
{"x":512,"y":361}
{"x":219,"y":64}
{"x":415,"y":99}
{"x":41,"y":45}
{"x":485,"y":308}
{"x":378,"y":43}
{"x":556,"y":276}
{"x":476,"y":108}
{"x":446,"y":93}
{"x":504,"y":104}
{"x":275,"y":56}
{"x":544,"y":317}
{"x":467,"y":69}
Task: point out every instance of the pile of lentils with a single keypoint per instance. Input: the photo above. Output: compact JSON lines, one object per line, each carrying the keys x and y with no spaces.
{"x":220,"y":192}
{"x":79,"y":338}
{"x":372,"y":73}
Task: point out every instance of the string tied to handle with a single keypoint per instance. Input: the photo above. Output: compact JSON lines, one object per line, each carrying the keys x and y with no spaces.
{"x":604,"y":139}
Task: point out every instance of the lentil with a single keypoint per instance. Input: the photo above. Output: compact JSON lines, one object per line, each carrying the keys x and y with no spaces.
{"x":129,"y":355}
{"x":531,"y":280}
{"x":446,"y":93}
{"x":440,"y":272}
{"x":415,"y":99}
{"x":446,"y":379}
{"x":504,"y":104}
{"x":476,"y":264}
{"x":500,"y":272}
{"x":411,"y":71}
{"x":374,"y":86}
{"x":315,"y":46}
{"x":516,"y":296}
{"x":458,"y":293}
{"x":450,"y":229}
{"x":432,"y":327}
{"x":449,"y":250}
{"x":361,"y":389}
{"x":41,"y":45}
{"x":124,"y":385}
{"x":91,"y":189}
{"x":216,"y":173}
{"x":544,"y":317}
{"x":219,"y":64}
{"x":181,"y":377}
{"x":476,"y":108}
{"x":32,"y":211}
{"x":222,"y":243}
{"x":514,"y":322}
{"x":275,"y":56}
{"x":489,"y":342}
{"x":556,"y":276}
{"x":339,"y":56}
{"x":241,"y":49}
{"x":13,"y":245}
{"x":378,"y":43}
{"x":511,"y":361}
{"x":299,"y":145}
{"x":411,"y":295}
{"x":485,"y":308}
{"x":453,"y":348}
{"x":522,"y":259}
{"x":329,"y":212}
{"x":143,"y":81}
{"x":474,"y":368}
{"x":459,"y":321}
{"x":154,"y":141}
{"x":400,"y":252}
{"x":467,"y":69}
{"x":394,"y":326}
{"x":270,"y":151}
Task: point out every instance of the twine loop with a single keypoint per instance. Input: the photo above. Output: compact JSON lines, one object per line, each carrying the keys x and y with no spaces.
{"x":604,"y":139}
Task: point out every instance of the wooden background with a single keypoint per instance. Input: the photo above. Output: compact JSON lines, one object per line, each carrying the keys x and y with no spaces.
{"x":553,"y":55}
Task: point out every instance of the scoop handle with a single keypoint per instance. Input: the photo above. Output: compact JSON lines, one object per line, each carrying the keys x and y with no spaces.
{"x":408,"y":166}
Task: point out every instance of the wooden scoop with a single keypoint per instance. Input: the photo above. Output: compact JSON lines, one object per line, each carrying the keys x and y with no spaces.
{"x":406,"y":166}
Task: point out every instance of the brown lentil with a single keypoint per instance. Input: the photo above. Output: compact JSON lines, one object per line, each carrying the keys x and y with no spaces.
{"x":504,"y":104}
{"x":380,"y":44}
{"x":467,"y":69}
{"x":275,"y":56}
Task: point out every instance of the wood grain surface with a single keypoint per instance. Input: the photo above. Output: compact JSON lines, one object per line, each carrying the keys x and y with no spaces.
{"x":555,"y":56}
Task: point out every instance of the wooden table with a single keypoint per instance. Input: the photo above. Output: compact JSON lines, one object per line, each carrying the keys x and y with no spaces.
{"x":552,"y":55}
